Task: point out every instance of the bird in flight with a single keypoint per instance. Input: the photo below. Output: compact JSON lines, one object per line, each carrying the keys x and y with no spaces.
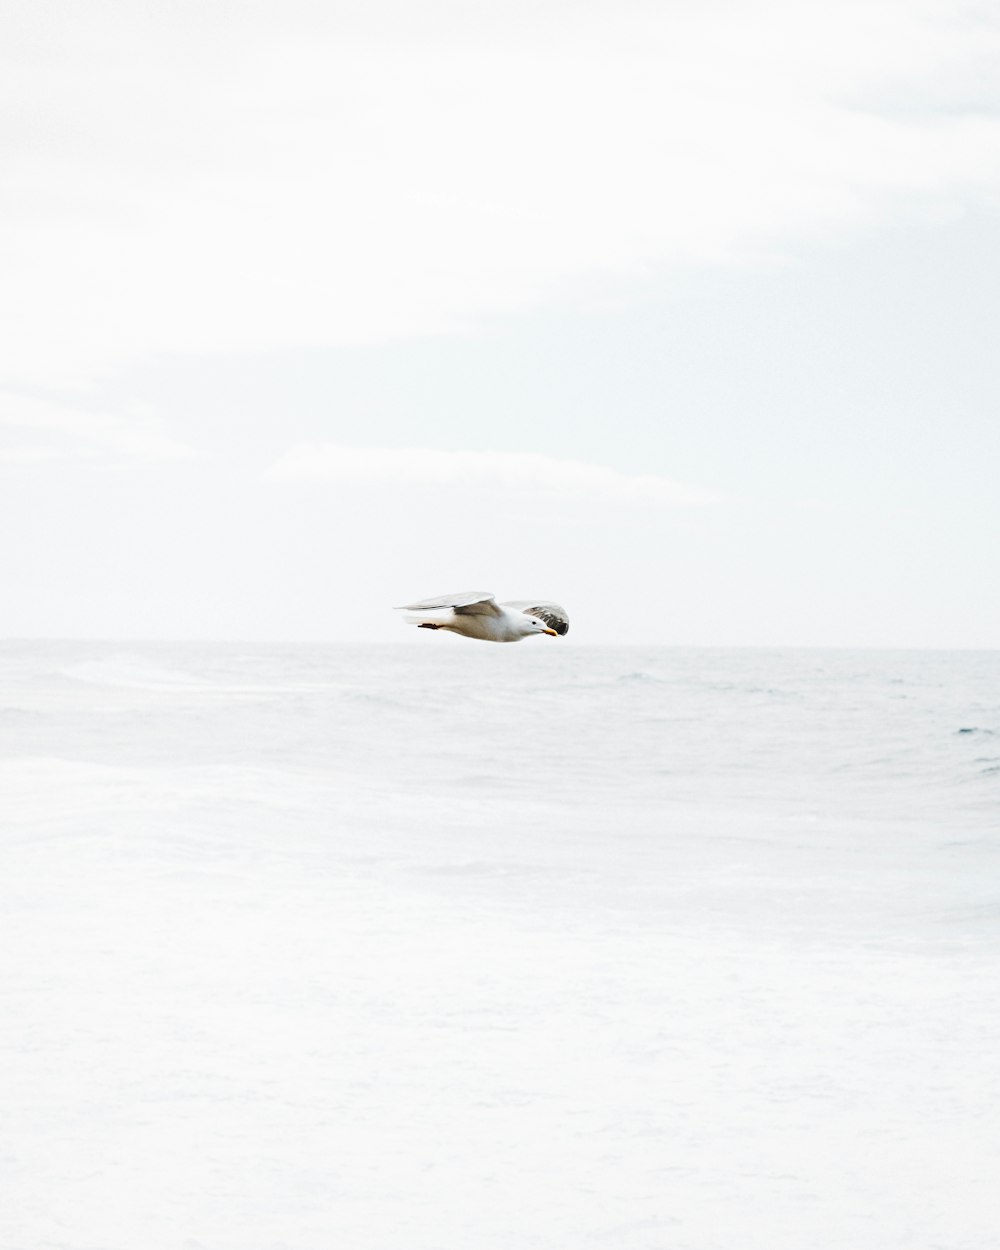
{"x":476,"y":614}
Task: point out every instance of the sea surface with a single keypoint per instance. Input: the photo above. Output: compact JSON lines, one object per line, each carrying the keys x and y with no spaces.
{"x":466,"y":947}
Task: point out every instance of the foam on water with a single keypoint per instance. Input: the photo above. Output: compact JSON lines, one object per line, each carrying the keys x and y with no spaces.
{"x":455,"y":946}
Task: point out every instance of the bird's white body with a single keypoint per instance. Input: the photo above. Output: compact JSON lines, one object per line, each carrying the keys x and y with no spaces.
{"x":509,"y":625}
{"x":476,"y":614}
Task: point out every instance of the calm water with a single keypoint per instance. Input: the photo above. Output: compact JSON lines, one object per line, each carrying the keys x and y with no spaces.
{"x":879,"y":734}
{"x":535,"y":946}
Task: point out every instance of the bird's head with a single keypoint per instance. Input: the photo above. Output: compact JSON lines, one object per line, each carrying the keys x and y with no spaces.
{"x":537,"y":626}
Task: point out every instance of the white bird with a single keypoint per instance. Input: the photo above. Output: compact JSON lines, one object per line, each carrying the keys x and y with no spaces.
{"x":476,"y":614}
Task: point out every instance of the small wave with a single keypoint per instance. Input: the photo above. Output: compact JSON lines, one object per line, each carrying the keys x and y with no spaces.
{"x":135,"y":674}
{"x":495,"y":868}
{"x":17,"y":715}
{"x":975,"y":729}
{"x":376,"y":699}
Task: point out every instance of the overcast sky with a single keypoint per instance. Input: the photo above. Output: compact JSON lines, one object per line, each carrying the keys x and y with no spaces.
{"x":683,"y":314}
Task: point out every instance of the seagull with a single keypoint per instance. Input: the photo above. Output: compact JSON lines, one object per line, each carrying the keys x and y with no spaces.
{"x":476,"y":614}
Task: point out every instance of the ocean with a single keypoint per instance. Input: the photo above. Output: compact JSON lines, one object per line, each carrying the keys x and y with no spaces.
{"x":455,"y":946}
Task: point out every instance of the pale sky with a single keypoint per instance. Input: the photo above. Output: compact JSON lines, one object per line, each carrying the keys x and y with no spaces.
{"x":682,"y":314}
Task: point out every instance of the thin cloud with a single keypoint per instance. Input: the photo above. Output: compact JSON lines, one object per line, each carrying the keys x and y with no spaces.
{"x":76,"y":434}
{"x":518,"y":471}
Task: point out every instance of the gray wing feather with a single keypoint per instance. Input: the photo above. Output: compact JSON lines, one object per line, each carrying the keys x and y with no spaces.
{"x":465,"y":603}
{"x":552,"y":614}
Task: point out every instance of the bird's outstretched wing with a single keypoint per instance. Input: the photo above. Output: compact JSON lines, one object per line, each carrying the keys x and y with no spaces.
{"x":552,"y":614}
{"x":465,"y":603}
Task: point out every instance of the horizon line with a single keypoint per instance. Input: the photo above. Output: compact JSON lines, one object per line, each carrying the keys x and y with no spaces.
{"x":18,"y":640}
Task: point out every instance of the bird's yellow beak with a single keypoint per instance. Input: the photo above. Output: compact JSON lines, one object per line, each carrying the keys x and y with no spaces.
{"x":550,"y":631}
